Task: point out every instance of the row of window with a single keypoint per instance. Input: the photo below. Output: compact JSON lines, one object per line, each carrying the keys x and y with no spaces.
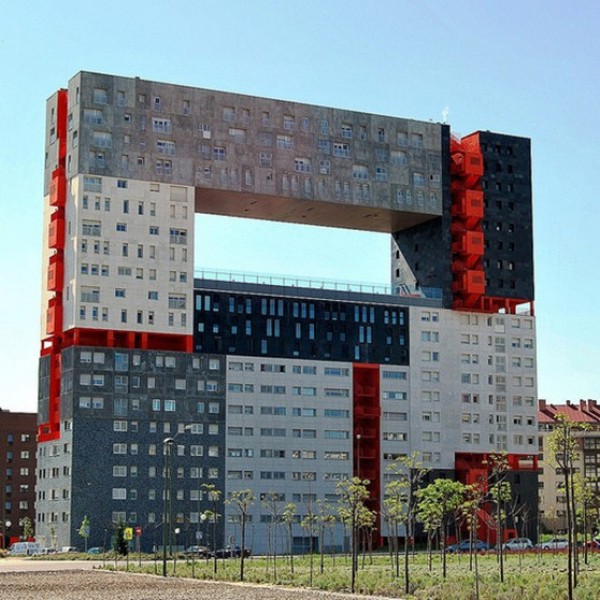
{"x":141,"y":207}
{"x":104,"y":247}
{"x":280,"y":411}
{"x":231,"y":114}
{"x":168,"y":361}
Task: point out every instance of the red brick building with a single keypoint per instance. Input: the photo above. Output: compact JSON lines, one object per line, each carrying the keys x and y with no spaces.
{"x":17,"y":473}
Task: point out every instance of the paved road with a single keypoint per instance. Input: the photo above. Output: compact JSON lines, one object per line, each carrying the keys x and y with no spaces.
{"x":18,"y":565}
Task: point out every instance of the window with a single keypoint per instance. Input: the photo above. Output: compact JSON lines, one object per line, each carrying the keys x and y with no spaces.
{"x":284,"y":141}
{"x":165,"y":147}
{"x":360,"y":172}
{"x":161,"y":125}
{"x":100,"y":96}
{"x":302,"y":165}
{"x":347,"y":131}
{"x":341,"y":150}
{"x":103,"y":139}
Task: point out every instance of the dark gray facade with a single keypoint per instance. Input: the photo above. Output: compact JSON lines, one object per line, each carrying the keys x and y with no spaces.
{"x":118,"y":408}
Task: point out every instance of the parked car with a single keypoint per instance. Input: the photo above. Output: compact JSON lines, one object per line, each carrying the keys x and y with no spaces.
{"x":235,"y":552}
{"x":201,"y":551}
{"x":518,"y":544}
{"x":68,"y":549}
{"x":26,"y":548}
{"x":465,"y":546}
{"x":95,"y":550}
{"x":554,"y":544}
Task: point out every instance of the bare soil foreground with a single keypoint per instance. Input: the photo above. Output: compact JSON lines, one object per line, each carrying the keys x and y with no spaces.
{"x":105,"y":585}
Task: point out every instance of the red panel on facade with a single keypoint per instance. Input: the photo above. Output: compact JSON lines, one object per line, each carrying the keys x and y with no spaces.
{"x":58,"y":188}
{"x":474,"y":469}
{"x":470,"y":282}
{"x":56,"y":273}
{"x":111,"y":338}
{"x":367,"y":432}
{"x":54,"y":316}
{"x":62,"y":106}
{"x":469,"y":243}
{"x":468,"y":203}
{"x":56,"y":230}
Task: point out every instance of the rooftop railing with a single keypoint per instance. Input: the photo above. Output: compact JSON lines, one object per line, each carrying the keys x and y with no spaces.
{"x":294,"y":281}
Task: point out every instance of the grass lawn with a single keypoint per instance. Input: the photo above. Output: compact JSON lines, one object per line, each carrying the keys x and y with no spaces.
{"x":529,"y":576}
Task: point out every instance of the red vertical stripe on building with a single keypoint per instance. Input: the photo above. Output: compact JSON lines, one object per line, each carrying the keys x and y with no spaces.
{"x":367,"y":432}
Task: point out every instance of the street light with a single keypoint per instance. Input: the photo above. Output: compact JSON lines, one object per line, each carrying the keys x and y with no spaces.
{"x":168,"y":444}
{"x":7,"y":526}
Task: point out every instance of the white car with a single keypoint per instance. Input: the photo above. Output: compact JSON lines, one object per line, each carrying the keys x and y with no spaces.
{"x":554,"y":544}
{"x":517,"y":544}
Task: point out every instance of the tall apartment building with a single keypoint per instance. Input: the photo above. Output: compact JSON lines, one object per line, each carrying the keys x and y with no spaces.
{"x":17,"y":473}
{"x":282,"y":386}
{"x":552,"y":495}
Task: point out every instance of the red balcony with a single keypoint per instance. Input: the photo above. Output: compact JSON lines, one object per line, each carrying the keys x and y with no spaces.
{"x":469,"y":282}
{"x":56,"y":273}
{"x":468,"y":204}
{"x":56,"y":230}
{"x":54,"y":317}
{"x":469,"y":243}
{"x":58,"y":188}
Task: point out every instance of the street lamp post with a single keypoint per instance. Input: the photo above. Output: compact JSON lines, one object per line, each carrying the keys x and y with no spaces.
{"x":168,"y":444}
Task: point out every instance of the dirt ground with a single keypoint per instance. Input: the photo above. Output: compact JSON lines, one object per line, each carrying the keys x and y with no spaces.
{"x":105,"y":585}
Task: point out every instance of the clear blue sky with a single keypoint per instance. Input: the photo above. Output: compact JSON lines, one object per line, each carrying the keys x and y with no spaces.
{"x":527,"y":68}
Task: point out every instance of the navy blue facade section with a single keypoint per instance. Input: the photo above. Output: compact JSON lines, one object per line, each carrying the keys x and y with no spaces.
{"x":124,"y":404}
{"x":237,"y":323}
{"x":426,"y":247}
{"x":507,"y":221}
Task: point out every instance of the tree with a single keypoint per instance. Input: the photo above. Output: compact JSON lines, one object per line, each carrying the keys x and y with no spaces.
{"x":500,"y":493}
{"x":214,"y":497}
{"x":473,"y":503}
{"x":401,"y":503}
{"x":242,"y":500}
{"x":353,"y":494}
{"x":441,"y":499}
{"x":429,"y":514}
{"x":563,"y":447}
{"x":587,"y":508}
{"x":288,"y":516}
{"x":27,"y":528}
{"x":84,"y":531}
{"x":272,"y":502}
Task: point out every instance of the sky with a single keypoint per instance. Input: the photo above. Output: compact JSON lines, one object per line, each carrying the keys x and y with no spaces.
{"x":522,"y":67}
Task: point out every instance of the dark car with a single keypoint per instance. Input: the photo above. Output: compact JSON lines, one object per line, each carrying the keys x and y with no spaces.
{"x":201,"y":551}
{"x":465,"y":546}
{"x":232,"y":552}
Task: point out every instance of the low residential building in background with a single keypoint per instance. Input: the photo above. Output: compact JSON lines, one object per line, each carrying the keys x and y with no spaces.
{"x":552,"y":508}
{"x":17,"y":473}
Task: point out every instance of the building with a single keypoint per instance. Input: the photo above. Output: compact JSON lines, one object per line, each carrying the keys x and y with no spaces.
{"x":552,"y":497}
{"x":283,"y":386}
{"x":17,"y":474}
